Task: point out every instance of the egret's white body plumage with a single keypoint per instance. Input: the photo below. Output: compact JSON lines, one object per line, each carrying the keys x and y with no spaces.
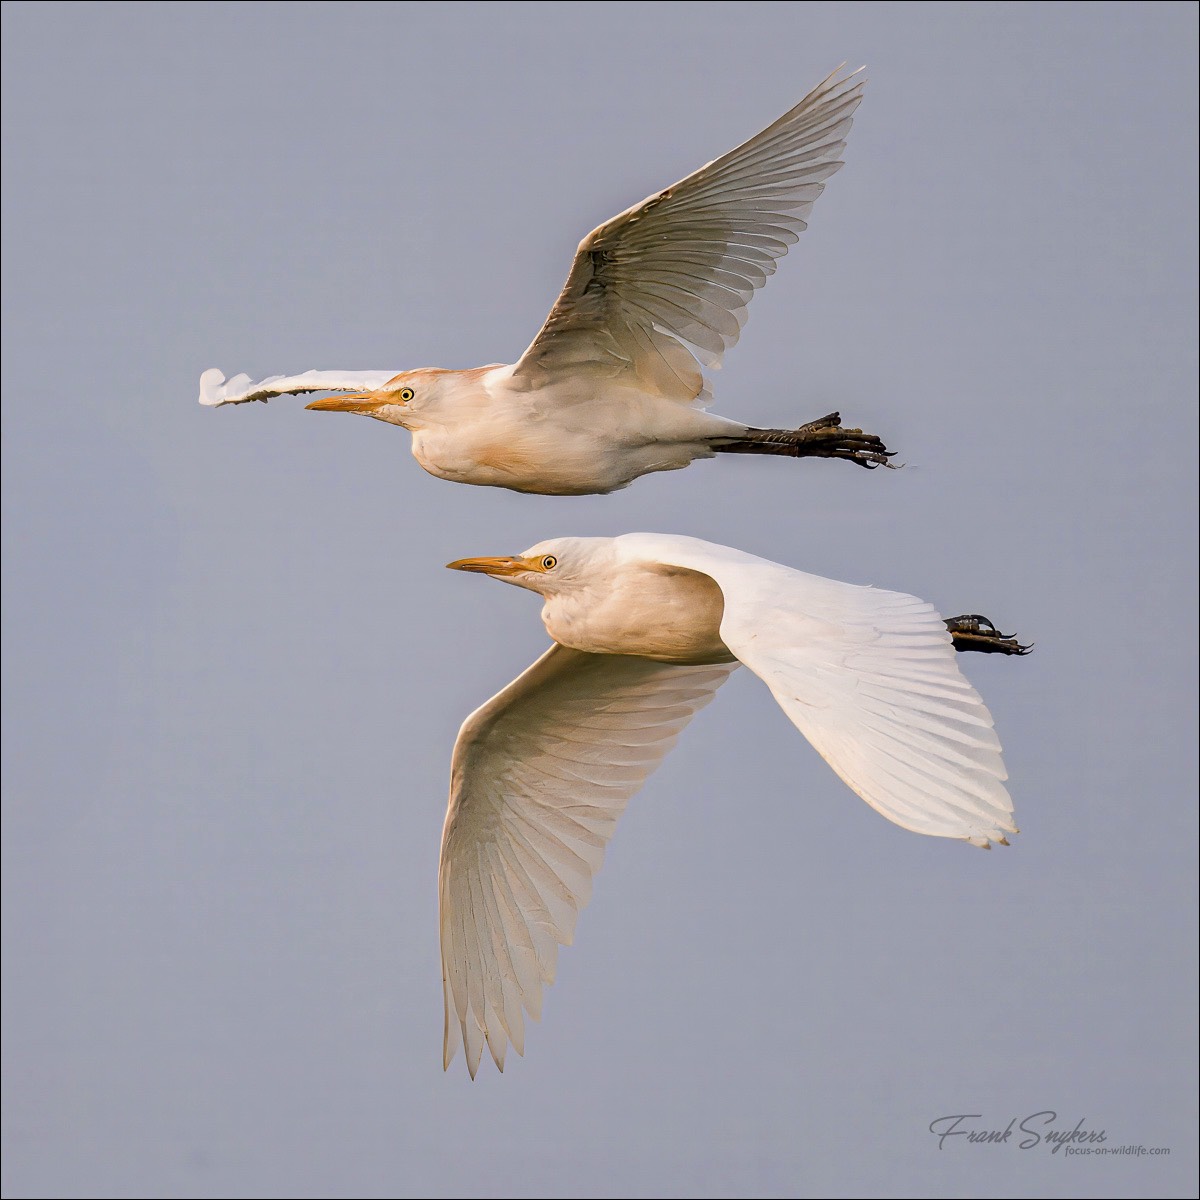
{"x":646,"y":628}
{"x":613,"y":387}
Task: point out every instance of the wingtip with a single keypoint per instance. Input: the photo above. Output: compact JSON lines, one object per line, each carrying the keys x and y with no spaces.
{"x":211,"y":387}
{"x":216,"y":390}
{"x":986,"y":843}
{"x":833,"y":76}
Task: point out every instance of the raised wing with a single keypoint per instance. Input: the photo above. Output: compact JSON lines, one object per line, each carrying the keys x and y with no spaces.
{"x":870,"y":678}
{"x":215,"y":391}
{"x":661,"y":290}
{"x":539,"y":776}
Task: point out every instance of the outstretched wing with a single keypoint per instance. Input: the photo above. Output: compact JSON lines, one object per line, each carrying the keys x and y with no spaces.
{"x":662,"y":289}
{"x":215,"y":390}
{"x":539,"y":776}
{"x":870,"y":678}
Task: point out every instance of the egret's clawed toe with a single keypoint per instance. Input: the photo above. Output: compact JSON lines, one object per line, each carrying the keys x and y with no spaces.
{"x":823,"y":438}
{"x":826,"y":438}
{"x":974,"y":632}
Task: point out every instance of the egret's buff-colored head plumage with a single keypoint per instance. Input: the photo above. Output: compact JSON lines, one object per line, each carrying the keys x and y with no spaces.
{"x":551,"y":567}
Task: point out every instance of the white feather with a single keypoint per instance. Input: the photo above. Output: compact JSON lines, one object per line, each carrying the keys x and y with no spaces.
{"x":537,"y":785}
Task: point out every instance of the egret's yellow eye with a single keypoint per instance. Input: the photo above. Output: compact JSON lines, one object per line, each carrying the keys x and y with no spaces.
{"x":406,"y":394}
{"x":549,"y":562}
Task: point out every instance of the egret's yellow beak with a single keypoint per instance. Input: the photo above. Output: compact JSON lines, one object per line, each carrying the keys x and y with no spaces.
{"x":491,"y":566}
{"x":355,"y":402}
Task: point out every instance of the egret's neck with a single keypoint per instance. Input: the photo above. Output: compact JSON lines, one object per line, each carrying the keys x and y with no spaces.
{"x":649,"y":611}
{"x":456,"y":398}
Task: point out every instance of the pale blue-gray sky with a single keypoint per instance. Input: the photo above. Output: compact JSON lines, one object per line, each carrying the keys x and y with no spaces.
{"x":234,"y":667}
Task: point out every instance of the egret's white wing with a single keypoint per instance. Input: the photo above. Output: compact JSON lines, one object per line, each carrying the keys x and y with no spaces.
{"x":869,"y":677}
{"x":215,"y":390}
{"x":662,"y":288}
{"x":539,"y":776}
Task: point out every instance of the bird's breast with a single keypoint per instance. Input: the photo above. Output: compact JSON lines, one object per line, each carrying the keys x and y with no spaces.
{"x":665,"y":613}
{"x":551,"y":441}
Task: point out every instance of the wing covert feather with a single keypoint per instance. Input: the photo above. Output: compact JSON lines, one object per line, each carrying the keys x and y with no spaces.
{"x":539,"y":776}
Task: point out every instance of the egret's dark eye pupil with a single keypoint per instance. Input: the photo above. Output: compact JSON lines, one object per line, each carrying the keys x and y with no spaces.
{"x":549,"y":561}
{"x":406,"y":393}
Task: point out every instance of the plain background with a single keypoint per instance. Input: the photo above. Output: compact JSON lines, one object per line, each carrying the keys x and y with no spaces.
{"x":234,"y":667}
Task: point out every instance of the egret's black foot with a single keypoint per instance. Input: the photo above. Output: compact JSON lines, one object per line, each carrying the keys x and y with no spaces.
{"x":973,"y":632}
{"x":822,"y":438}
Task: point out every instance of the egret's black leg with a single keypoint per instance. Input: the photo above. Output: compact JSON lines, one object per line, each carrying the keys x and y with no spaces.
{"x":974,"y":632}
{"x":822,"y":438}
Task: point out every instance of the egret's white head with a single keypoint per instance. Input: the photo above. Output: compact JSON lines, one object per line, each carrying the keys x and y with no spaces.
{"x":405,"y":399}
{"x":549,"y":568}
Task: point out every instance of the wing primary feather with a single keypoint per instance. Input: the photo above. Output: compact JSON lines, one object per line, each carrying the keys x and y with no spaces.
{"x":539,"y":777}
{"x":620,"y":306}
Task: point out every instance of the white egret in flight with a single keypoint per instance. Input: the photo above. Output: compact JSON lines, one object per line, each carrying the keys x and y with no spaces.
{"x":646,"y":627}
{"x":613,"y":387}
